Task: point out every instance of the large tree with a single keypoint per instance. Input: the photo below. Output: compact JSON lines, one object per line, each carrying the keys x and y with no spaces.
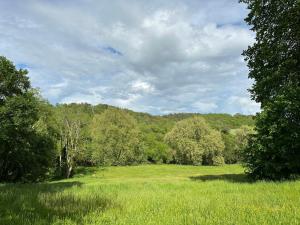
{"x":195,"y":142}
{"x":26,"y":140}
{"x":274,"y":63}
{"x":116,"y":139}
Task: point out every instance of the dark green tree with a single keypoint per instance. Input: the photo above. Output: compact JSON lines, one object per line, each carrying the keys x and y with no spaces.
{"x":274,"y":63}
{"x":229,"y":153}
{"x":26,"y":146}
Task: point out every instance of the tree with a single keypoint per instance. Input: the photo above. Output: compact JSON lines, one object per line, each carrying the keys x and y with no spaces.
{"x":116,"y":139}
{"x":274,"y":63}
{"x":229,"y":153}
{"x":156,"y":150}
{"x":13,"y":82}
{"x":194,"y":142}
{"x":242,"y":136}
{"x":26,"y":148}
{"x":236,"y":142}
{"x":71,"y":123}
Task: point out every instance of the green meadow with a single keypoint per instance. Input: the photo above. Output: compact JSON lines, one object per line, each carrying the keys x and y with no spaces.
{"x":152,"y":194}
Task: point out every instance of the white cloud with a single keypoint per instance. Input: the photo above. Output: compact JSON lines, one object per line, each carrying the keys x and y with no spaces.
{"x":142,"y":86}
{"x":245,"y":105}
{"x":125,"y":102}
{"x":154,"y":56}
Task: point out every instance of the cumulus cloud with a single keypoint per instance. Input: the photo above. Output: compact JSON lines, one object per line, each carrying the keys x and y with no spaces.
{"x":152,"y":56}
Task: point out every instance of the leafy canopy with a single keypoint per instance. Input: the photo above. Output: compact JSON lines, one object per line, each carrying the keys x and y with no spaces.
{"x":274,"y":63}
{"x":116,"y":139}
{"x":26,"y":141}
{"x":195,"y":142}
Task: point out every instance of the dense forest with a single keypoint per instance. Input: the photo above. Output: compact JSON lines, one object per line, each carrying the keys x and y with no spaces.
{"x":96,"y":121}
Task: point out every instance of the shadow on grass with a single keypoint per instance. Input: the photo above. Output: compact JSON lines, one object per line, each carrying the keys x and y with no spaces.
{"x":234,"y":178}
{"x":48,"y":202}
{"x":84,"y":171}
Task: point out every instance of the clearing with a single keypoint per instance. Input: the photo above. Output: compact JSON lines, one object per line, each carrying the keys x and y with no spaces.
{"x":152,"y":194}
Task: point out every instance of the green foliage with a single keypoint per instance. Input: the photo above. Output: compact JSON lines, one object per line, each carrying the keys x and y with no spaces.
{"x":73,"y":141}
{"x":236,"y":142}
{"x":26,"y":140}
{"x":13,"y":82}
{"x":242,"y":136}
{"x":217,"y":121}
{"x":156,"y":150}
{"x":116,"y":139}
{"x":229,"y":153}
{"x":153,"y":130}
{"x":194,"y":142}
{"x":274,"y":153}
{"x":274,"y":62}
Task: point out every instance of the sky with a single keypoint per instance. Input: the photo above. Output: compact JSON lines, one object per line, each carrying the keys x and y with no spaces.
{"x":158,"y":56}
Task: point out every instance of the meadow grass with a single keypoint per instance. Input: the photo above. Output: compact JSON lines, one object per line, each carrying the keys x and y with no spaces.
{"x":152,"y":194}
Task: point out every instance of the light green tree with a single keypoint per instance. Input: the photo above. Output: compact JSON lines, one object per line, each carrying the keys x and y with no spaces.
{"x":116,"y":139}
{"x":242,"y":137}
{"x":195,"y":142}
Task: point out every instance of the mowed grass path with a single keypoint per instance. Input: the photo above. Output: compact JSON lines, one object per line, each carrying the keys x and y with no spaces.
{"x":152,"y":194}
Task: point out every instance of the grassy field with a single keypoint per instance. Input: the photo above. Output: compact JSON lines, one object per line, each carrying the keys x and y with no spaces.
{"x":152,"y":194}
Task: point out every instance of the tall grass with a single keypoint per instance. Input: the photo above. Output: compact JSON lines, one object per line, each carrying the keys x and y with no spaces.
{"x":152,"y":194}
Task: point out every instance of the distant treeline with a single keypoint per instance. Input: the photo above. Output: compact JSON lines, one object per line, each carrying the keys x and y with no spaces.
{"x":107,"y":135}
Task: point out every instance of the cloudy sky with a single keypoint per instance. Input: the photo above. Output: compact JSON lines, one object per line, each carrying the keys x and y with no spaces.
{"x":158,"y":56}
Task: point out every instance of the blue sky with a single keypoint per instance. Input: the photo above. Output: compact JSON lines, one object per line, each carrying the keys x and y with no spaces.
{"x":151,"y":56}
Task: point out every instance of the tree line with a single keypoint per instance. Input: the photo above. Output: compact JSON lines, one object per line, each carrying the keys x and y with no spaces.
{"x":39,"y":140}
